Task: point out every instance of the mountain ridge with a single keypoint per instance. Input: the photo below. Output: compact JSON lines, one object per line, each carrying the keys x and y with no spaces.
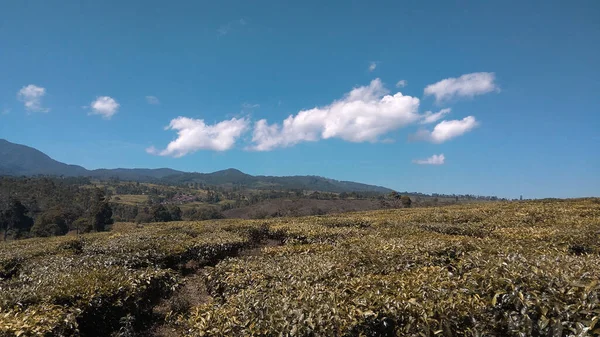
{"x":23,"y":160}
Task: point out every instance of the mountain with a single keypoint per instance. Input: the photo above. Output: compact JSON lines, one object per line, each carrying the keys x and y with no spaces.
{"x":233,"y":177}
{"x":133,"y":174}
{"x":21,"y":160}
{"x":16,"y":159}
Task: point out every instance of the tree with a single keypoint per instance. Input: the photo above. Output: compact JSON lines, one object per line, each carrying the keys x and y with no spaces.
{"x":82,"y":225}
{"x":100,"y":212}
{"x":405,"y":200}
{"x":143,"y":217}
{"x":202,"y":214}
{"x":55,"y":221}
{"x":14,"y":219}
{"x":160,"y":213}
{"x":102,"y":217}
{"x":175,"y":212}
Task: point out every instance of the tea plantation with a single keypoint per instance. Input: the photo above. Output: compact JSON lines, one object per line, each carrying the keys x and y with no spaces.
{"x":492,"y":269}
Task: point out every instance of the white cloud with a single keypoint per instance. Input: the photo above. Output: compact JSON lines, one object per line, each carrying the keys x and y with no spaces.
{"x":5,"y":111}
{"x":468,"y":85}
{"x":364,"y":114}
{"x":401,"y":83}
{"x":447,"y":130}
{"x":152,"y":100}
{"x":433,"y":160}
{"x":430,"y":117}
{"x":194,"y":135}
{"x":32,"y":95}
{"x":105,"y":106}
{"x":372,"y":66}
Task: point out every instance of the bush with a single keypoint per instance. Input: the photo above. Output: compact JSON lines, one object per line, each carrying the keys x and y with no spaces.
{"x":82,"y":225}
{"x":143,"y":218}
{"x":49,"y":229}
{"x":208,"y":213}
{"x":406,"y":201}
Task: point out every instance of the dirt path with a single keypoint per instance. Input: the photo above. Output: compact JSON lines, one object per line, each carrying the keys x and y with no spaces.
{"x":192,"y":293}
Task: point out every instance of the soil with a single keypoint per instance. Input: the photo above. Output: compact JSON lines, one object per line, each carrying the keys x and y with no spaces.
{"x":192,"y":293}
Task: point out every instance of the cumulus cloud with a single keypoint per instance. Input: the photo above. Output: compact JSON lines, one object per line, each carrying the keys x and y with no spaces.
{"x":152,"y":100}
{"x":32,"y":95}
{"x":401,"y":83}
{"x":363,"y":114}
{"x":436,"y":159}
{"x":468,"y":85}
{"x":431,"y":117}
{"x":372,"y":66}
{"x":447,"y":130}
{"x":105,"y":106}
{"x":195,"y":134}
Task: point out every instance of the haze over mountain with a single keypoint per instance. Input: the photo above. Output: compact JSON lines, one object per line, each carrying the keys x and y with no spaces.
{"x":22,"y":160}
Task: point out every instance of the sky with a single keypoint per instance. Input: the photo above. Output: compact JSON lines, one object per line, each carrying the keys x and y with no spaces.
{"x":467,"y":97}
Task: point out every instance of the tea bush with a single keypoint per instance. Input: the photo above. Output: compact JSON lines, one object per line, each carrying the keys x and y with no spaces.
{"x":484,"y":269}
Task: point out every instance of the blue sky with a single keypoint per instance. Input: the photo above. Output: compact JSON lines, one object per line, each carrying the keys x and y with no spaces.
{"x":351,"y":90}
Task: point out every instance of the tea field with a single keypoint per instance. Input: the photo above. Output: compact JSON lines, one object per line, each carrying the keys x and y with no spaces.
{"x":492,"y":269}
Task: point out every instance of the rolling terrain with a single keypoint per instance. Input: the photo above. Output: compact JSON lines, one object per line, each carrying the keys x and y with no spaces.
{"x":489,"y":269}
{"x":21,"y":160}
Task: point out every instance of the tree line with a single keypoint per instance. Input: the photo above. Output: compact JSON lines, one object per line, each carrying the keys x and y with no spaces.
{"x":19,"y":221}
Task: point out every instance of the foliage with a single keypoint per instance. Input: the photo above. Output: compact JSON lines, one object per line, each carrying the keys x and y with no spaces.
{"x":494,"y":269}
{"x":14,"y":219}
{"x":160,"y":213}
{"x":100,"y":212}
{"x":205,"y":213}
{"x":86,"y":285}
{"x":55,"y":221}
{"x":82,"y":225}
{"x":405,"y":200}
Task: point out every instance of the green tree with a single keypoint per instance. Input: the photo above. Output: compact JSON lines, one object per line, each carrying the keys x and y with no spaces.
{"x":143,"y":217}
{"x":82,"y":225}
{"x":102,"y":217}
{"x":14,"y":219}
{"x":394,"y":195}
{"x":405,"y":200}
{"x":175,"y":212}
{"x":55,"y":221}
{"x":100,"y":212}
{"x":160,"y":213}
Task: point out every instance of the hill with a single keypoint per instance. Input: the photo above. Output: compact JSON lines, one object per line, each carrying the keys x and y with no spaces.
{"x":16,"y":159}
{"x":21,"y":160}
{"x":493,"y":269}
{"x":232,"y":177}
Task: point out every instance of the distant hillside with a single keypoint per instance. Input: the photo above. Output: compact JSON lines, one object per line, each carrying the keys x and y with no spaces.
{"x":133,"y":174}
{"x":233,"y":177}
{"x":16,"y":159}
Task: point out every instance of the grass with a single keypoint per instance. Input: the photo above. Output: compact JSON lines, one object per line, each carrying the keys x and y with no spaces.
{"x":485,"y":269}
{"x":130,"y":199}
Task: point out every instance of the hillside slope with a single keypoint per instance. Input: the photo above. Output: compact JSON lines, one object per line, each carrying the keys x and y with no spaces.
{"x":21,"y":160}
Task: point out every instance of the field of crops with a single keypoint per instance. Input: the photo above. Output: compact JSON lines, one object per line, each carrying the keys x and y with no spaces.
{"x":493,"y":269}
